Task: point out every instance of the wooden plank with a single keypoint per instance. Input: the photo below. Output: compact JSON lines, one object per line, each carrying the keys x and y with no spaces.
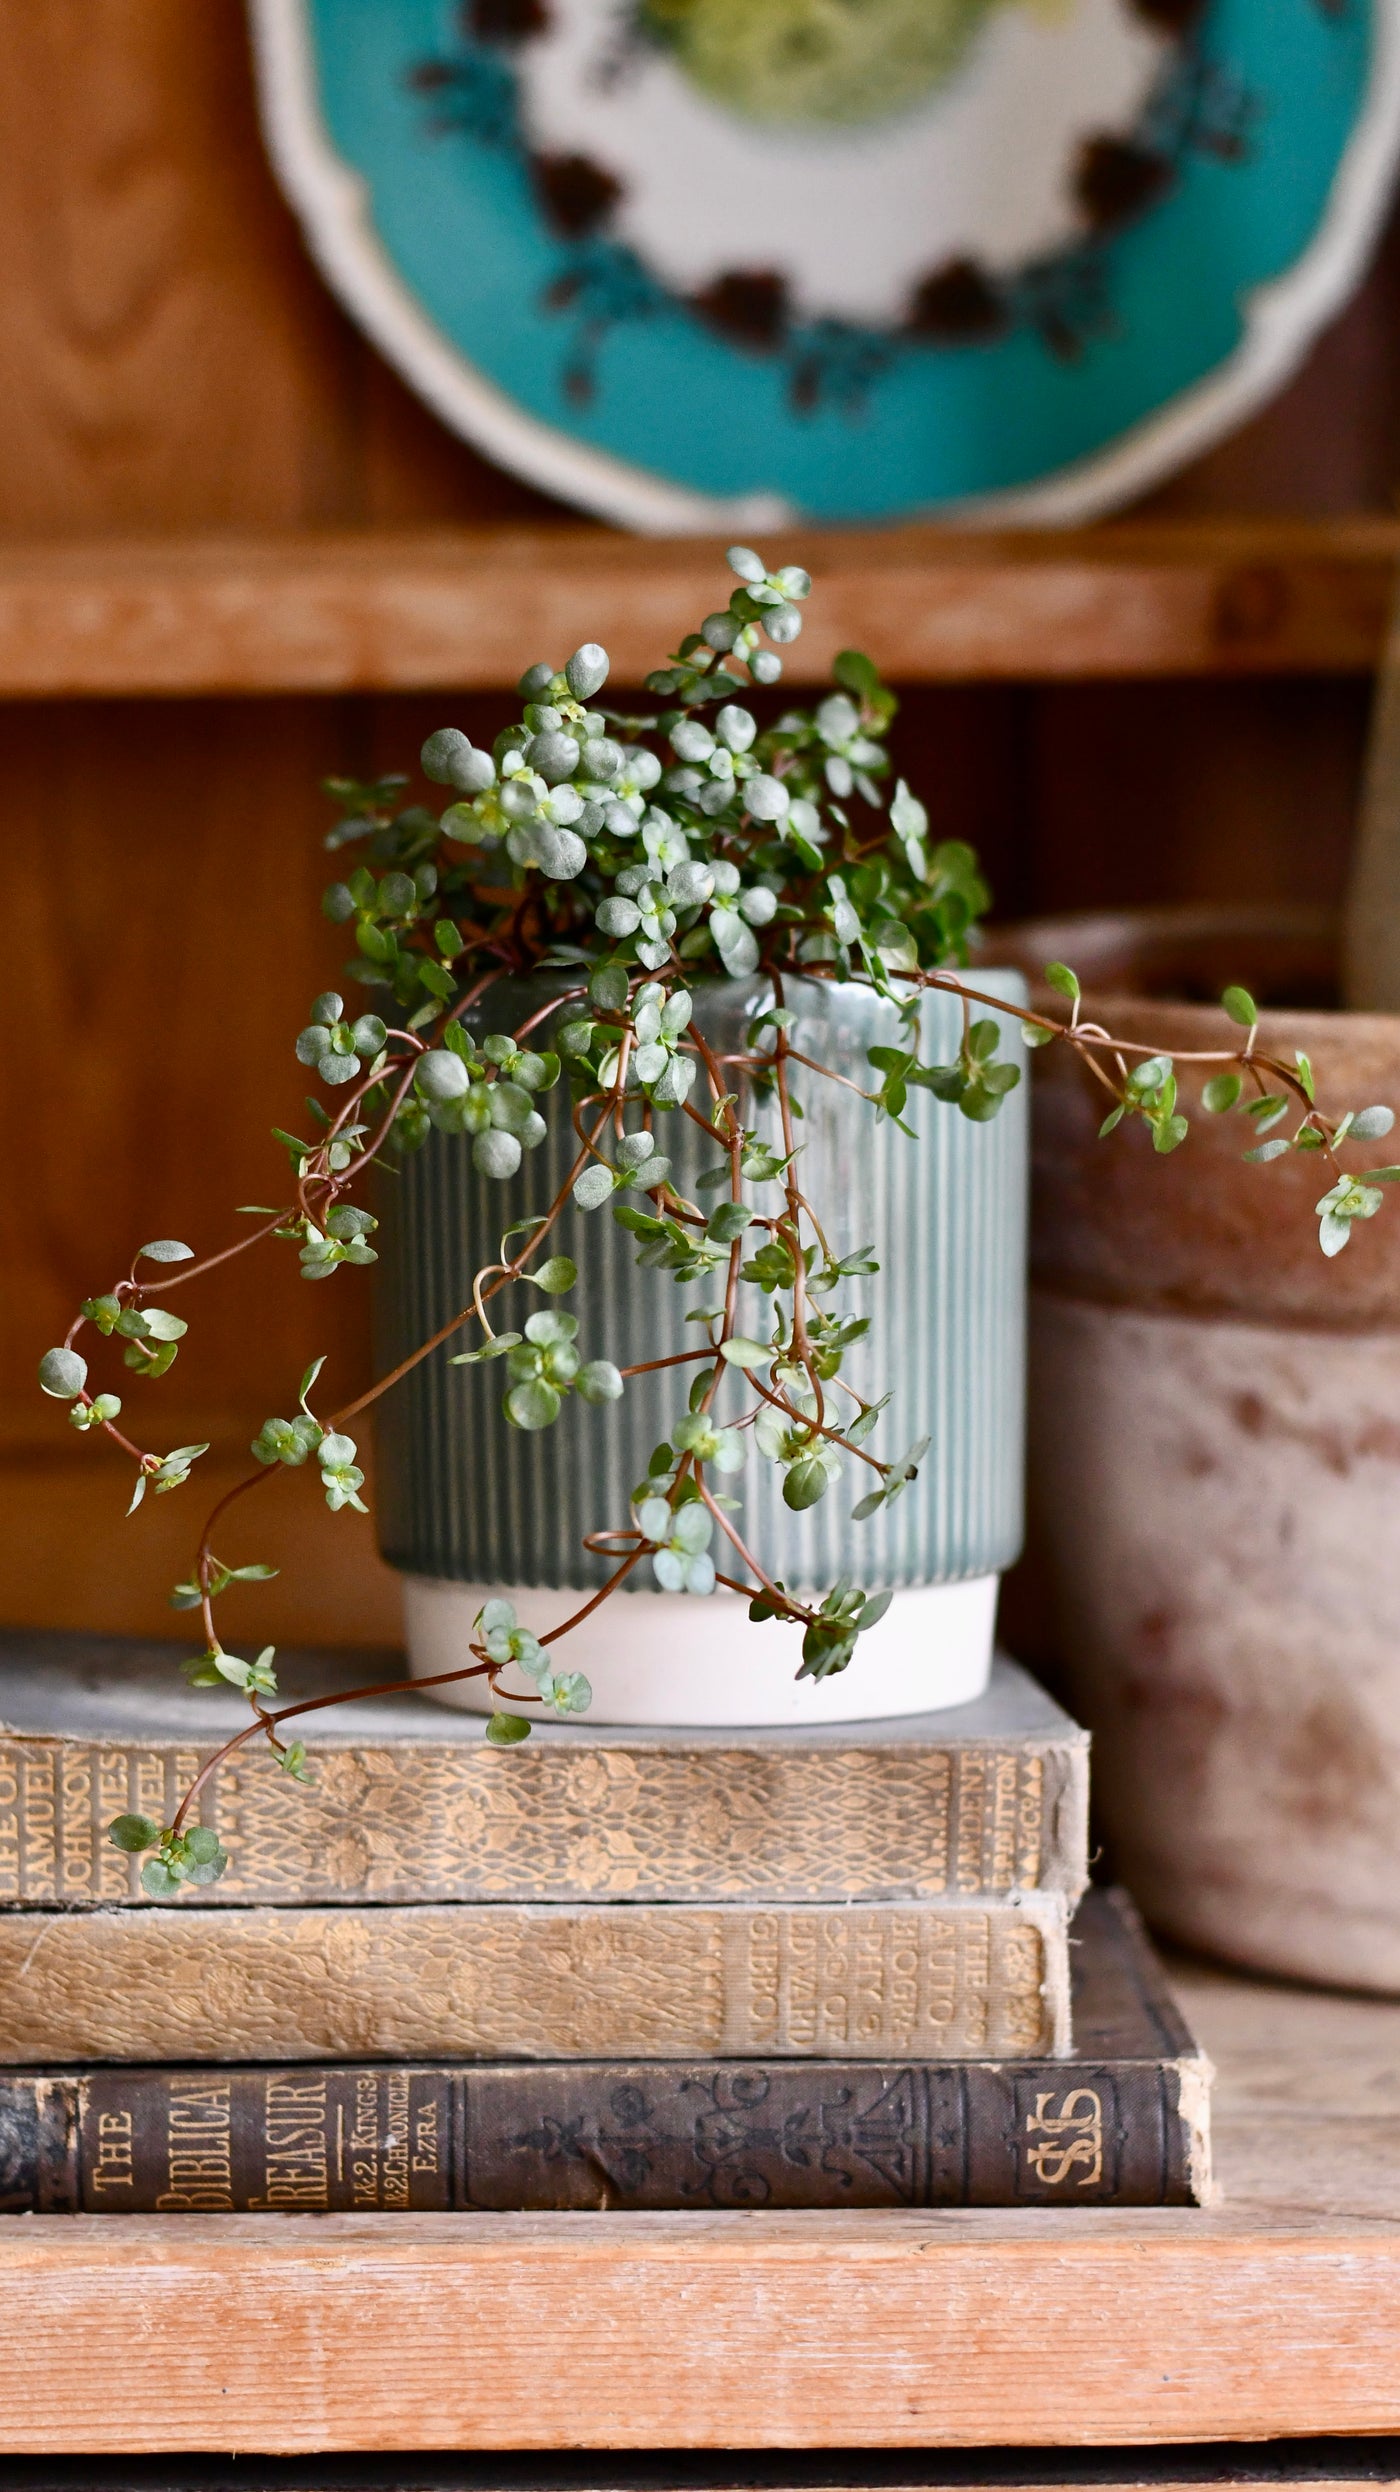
{"x":699,"y":2331}
{"x":1275,"y":2312}
{"x":409,"y":609}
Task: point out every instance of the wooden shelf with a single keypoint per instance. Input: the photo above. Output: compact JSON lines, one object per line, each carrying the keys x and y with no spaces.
{"x":1275,"y":2312}
{"x":380,"y":611}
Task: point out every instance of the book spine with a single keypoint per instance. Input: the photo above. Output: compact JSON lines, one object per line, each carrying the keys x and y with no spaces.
{"x":551,"y":1982}
{"x":437,"y":1822}
{"x":302,"y":2140}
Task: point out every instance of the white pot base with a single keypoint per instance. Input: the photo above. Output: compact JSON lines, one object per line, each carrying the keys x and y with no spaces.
{"x":672,"y":1660}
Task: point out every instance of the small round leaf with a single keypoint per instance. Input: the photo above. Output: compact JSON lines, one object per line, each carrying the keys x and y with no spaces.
{"x":133,"y":1834}
{"x":62,"y":1374}
{"x":806,"y":1484}
{"x":555,"y":1276}
{"x":533,"y":1404}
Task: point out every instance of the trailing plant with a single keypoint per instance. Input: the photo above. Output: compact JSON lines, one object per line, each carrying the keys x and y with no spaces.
{"x":628,"y":857}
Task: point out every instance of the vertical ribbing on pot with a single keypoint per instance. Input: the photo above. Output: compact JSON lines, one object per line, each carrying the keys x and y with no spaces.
{"x":465,"y":1496}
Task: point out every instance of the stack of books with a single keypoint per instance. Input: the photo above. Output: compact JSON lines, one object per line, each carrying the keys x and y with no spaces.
{"x":651,"y":1969}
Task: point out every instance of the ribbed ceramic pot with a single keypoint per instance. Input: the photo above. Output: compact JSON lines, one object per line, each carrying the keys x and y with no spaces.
{"x":470,"y":1506}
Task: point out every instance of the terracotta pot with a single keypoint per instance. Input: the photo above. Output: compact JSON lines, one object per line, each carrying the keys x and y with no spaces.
{"x":1215,"y":1464}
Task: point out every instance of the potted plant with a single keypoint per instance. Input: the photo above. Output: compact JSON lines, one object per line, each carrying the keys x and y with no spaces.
{"x":649,"y":1002}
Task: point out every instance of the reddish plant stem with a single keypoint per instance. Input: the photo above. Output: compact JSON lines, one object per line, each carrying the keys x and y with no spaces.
{"x":790,"y":1608}
{"x":815,"y":1427}
{"x":679,"y":1358}
{"x":577,"y":1618}
{"x":316,"y":1704}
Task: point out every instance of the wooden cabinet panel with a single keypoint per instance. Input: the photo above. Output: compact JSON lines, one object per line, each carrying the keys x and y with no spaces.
{"x":163,"y":872}
{"x":173,"y":359}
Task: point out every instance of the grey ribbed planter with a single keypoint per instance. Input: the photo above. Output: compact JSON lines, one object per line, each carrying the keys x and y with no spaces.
{"x":466,"y":1500}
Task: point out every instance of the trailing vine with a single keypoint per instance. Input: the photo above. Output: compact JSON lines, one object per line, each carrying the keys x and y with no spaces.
{"x":627,"y":857}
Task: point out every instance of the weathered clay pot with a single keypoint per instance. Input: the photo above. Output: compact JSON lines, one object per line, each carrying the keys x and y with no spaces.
{"x":1215,"y":1464}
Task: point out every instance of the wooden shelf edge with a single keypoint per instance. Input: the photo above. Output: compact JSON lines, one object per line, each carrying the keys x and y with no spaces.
{"x":463,"y":609}
{"x":704,"y":2331}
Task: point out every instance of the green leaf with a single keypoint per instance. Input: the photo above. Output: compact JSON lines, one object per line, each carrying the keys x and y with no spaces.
{"x":62,"y":1374}
{"x":489,"y":1349}
{"x":202,"y":1843}
{"x":1305,"y":1073}
{"x":133,"y":1834}
{"x":1169,"y":1132}
{"x":1371,"y":1123}
{"x":1114,"y":1117}
{"x":533,"y":1404}
{"x":555,"y":1276}
{"x":1267,"y":1150}
{"x":857,"y":673}
{"x":551,"y":1325}
{"x":1270,"y":1110}
{"x":726,"y":1222}
{"x":1241,"y":1006}
{"x":309,"y":1378}
{"x":741,"y":1352}
{"x":506,"y":1730}
{"x":165,"y":1250}
{"x":1150,"y":1075}
{"x":607,"y":988}
{"x":159,"y":1882}
{"x":806,"y":1483}
{"x":163,"y":1326}
{"x":1063,"y":980}
{"x":1381,"y":1176}
{"x":1221,"y":1092}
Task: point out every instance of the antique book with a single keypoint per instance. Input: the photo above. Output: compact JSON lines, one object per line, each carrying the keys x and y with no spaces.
{"x":950,"y":1980}
{"x":408,"y":1805}
{"x":1123,"y":2122}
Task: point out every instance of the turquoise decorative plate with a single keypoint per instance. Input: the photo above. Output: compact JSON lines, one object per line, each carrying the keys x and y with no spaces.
{"x":707,"y":263}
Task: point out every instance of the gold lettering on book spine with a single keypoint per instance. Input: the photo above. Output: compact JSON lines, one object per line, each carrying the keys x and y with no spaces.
{"x":1068,"y":2143}
{"x":591,"y":1822}
{"x":198,"y":2145}
{"x":296,"y":2158}
{"x":114,"y":2163}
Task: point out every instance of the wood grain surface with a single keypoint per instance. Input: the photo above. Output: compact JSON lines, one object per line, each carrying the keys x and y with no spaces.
{"x":397,"y":611}
{"x":1275,"y":2312}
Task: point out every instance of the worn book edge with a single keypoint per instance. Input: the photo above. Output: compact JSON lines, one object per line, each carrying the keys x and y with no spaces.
{"x":952,"y":1979}
{"x":589,"y":2134}
{"x":984,"y":1799}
